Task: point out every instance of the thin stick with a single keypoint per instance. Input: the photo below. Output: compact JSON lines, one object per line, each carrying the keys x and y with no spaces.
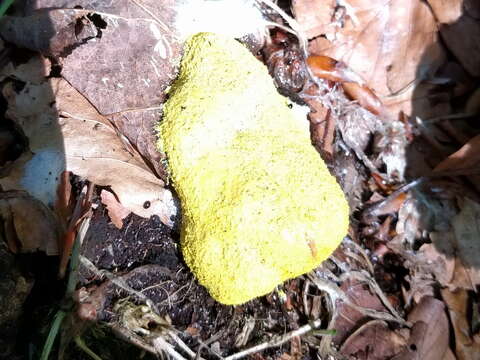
{"x":279,"y":340}
{"x":161,"y":345}
{"x":182,"y":345}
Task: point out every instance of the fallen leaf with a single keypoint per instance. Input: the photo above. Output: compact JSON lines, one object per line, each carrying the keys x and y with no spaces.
{"x":127,"y":82}
{"x":313,"y":16}
{"x":390,"y":44}
{"x":467,"y":347}
{"x":440,"y":256}
{"x":52,"y":32}
{"x":116,"y":211}
{"x":464,"y":161}
{"x":66,"y":133}
{"x":430,"y":335}
{"x":458,"y":24}
{"x":35,"y":70}
{"x":373,"y":341}
{"x":349,"y":318}
{"x":28,"y":223}
{"x":466,"y":226}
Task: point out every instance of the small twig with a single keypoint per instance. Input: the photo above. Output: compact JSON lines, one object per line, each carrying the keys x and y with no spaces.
{"x":183,"y":346}
{"x":131,"y":337}
{"x":161,"y":345}
{"x":449,"y":117}
{"x":279,"y":340}
{"x":361,"y":250}
{"x":407,"y":187}
{"x":336,"y":293}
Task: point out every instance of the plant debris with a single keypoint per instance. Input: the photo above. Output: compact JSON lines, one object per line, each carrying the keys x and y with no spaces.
{"x":393,"y":103}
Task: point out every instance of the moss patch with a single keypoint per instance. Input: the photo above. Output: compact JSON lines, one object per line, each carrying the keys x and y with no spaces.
{"x":259,"y":205}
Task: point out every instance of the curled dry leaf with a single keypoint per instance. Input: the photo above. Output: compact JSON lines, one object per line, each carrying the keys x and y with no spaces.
{"x":354,"y":86}
{"x":66,"y":133}
{"x":313,"y":16}
{"x":29,"y":225}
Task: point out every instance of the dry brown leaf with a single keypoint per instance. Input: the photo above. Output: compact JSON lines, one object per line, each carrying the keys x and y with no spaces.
{"x":467,"y":347}
{"x":457,"y":24}
{"x":116,"y":211}
{"x":464,"y":161}
{"x":81,"y":141}
{"x":314,"y":16}
{"x":52,"y":32}
{"x":34,"y":70}
{"x":466,"y":226}
{"x":430,"y":335}
{"x":440,"y":255}
{"x":349,"y":318}
{"x":127,"y":81}
{"x":373,"y":341}
{"x":389,"y":43}
{"x":29,"y":223}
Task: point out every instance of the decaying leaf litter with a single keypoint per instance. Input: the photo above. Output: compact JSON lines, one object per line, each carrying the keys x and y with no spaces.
{"x":402,"y":285}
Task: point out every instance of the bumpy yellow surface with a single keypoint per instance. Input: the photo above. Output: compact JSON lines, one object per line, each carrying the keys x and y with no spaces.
{"x":259,"y":205}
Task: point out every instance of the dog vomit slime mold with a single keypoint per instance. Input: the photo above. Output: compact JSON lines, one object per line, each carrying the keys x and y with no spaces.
{"x":259,"y":205}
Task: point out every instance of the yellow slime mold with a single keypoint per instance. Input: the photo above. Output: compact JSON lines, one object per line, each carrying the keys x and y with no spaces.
{"x":259,"y":204}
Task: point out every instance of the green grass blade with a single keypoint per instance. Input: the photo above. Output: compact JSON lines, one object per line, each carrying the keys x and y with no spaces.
{"x":4,"y":6}
{"x":57,"y":322}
